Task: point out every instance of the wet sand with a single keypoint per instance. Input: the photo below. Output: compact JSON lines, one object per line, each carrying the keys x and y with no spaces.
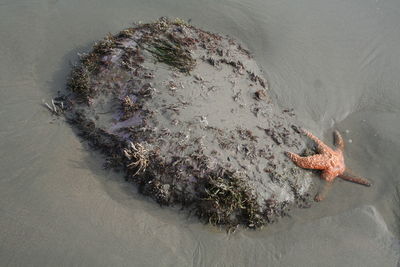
{"x":335,"y":63}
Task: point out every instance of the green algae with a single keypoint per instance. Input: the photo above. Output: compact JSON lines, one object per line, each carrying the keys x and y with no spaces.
{"x":172,"y":54}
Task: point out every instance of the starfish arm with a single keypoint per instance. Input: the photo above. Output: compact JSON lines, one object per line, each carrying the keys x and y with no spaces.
{"x":338,"y":140}
{"x":321,"y":147}
{"x":321,"y":195}
{"x":355,"y":179}
{"x":317,"y":162}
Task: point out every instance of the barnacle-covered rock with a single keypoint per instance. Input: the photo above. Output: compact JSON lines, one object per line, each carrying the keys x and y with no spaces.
{"x":187,"y":115}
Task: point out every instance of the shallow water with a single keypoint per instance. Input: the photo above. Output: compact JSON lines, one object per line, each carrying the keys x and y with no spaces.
{"x":336,"y":63}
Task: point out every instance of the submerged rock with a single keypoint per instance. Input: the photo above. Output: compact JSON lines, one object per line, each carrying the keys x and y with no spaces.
{"x":187,"y":115}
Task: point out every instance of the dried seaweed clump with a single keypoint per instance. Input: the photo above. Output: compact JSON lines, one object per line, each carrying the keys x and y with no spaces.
{"x":227,"y":200}
{"x":90,"y":64}
{"x":79,"y":83}
{"x":137,"y":154}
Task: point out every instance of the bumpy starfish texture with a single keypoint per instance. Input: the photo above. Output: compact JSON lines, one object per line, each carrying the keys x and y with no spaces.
{"x":329,"y":161}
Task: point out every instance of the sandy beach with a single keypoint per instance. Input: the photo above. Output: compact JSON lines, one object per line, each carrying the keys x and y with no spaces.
{"x":335,"y":63}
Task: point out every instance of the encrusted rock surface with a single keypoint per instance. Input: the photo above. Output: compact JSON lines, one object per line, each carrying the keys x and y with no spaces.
{"x":187,"y":115}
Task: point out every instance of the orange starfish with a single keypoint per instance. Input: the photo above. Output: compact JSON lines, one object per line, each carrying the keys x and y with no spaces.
{"x":330,"y":161}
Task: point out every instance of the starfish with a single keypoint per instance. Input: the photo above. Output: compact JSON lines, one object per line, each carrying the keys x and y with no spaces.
{"x":329,"y":161}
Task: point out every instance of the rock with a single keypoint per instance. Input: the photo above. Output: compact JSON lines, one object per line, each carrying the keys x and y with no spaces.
{"x":186,"y":114}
